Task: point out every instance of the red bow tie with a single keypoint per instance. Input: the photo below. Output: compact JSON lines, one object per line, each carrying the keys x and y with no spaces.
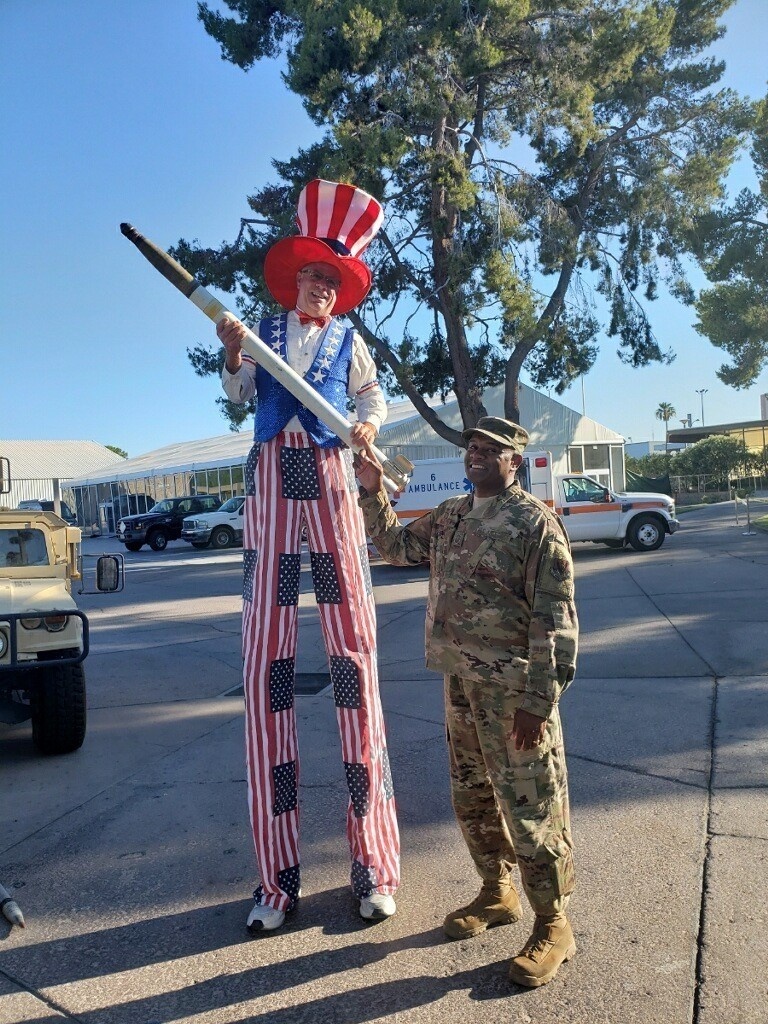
{"x":305,"y":318}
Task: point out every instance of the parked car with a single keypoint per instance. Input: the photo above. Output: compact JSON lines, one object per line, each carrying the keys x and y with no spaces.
{"x":218,"y":529}
{"x":163,"y":521}
{"x":43,"y":505}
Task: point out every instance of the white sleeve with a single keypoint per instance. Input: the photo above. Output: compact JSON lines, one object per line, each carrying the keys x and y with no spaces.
{"x":370,"y":404}
{"x":240,"y":387}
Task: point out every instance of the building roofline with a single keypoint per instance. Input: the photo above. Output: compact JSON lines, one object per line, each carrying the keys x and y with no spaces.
{"x":690,"y":434}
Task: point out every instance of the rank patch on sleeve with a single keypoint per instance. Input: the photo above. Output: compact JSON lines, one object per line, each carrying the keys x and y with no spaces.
{"x":560,"y":569}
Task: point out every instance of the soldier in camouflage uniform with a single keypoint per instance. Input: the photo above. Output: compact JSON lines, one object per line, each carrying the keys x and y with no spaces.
{"x":501,"y":626}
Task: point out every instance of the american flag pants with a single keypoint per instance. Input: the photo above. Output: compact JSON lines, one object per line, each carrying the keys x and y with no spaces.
{"x":291,"y":483}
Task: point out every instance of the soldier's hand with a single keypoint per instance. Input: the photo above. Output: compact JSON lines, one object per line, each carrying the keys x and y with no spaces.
{"x":368,"y":469}
{"x":527,"y":730}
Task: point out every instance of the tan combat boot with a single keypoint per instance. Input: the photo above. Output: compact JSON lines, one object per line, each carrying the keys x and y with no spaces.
{"x":550,"y":945}
{"x":497,"y":903}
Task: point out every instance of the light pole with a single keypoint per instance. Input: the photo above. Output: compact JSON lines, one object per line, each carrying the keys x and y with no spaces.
{"x":701,"y":392}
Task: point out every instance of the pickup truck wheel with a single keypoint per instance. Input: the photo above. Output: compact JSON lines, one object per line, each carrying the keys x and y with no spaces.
{"x":158,"y":540}
{"x":58,"y":710}
{"x":221,"y":537}
{"x":645,"y":533}
{"x":134,"y":545}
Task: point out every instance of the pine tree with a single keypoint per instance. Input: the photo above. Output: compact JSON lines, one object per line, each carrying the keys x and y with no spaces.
{"x":537,"y":165}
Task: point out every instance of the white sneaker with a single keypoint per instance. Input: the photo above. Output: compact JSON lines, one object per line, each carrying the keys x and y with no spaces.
{"x":377,"y":906}
{"x":264,"y":919}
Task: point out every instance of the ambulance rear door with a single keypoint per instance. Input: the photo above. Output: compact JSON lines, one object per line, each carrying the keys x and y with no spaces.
{"x":433,"y":481}
{"x":535,"y":476}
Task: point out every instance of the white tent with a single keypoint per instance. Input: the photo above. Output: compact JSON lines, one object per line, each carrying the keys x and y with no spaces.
{"x":38,"y":466}
{"x":576,"y":442}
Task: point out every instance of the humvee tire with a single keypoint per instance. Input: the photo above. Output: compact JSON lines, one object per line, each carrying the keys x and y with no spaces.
{"x":58,"y":709}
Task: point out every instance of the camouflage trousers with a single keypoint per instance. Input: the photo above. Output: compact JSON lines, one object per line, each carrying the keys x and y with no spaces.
{"x":511,"y":805}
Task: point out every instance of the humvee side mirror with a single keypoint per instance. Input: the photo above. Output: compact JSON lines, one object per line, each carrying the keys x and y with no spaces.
{"x":109,"y":574}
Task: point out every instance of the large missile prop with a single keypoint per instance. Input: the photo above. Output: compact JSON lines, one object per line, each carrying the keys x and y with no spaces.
{"x":10,"y":908}
{"x":397,"y":471}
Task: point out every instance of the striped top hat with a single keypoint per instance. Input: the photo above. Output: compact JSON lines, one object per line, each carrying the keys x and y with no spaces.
{"x":337,"y":223}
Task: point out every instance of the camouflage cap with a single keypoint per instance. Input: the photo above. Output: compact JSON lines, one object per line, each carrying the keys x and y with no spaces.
{"x":503,"y":432}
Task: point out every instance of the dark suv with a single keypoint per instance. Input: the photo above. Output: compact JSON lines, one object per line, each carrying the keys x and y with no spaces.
{"x":163,"y":521}
{"x":43,"y":505}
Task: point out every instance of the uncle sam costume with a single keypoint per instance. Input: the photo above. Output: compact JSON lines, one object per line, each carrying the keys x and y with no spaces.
{"x":299,"y":476}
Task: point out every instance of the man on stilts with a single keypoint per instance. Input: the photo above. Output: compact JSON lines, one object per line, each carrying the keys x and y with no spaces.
{"x":299,"y":476}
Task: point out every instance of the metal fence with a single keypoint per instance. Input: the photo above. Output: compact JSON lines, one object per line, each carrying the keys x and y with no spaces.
{"x":701,"y":483}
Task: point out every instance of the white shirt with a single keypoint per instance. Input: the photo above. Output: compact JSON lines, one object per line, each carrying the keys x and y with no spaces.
{"x":476,"y":512}
{"x":302,"y":343}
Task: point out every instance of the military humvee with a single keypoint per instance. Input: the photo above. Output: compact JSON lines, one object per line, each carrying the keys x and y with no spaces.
{"x":43,"y":635}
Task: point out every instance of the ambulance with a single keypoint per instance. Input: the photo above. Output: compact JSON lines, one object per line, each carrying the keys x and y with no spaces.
{"x":590,"y":511}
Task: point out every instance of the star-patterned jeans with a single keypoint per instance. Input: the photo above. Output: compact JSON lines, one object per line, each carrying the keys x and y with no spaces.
{"x":292,"y":483}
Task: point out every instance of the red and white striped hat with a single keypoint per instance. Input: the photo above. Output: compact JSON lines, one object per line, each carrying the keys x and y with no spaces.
{"x":337,"y":223}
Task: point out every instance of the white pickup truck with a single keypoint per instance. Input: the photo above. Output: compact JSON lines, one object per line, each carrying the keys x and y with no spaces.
{"x":219,"y":529}
{"x":590,"y":511}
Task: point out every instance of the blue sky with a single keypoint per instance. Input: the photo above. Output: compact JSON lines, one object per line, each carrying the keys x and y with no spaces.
{"x":118,"y":112}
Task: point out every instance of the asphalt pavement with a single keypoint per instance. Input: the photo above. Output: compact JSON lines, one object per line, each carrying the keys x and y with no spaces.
{"x":132,"y":862}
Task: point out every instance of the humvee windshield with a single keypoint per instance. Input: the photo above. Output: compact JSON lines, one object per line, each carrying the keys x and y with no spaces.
{"x":22,"y":547}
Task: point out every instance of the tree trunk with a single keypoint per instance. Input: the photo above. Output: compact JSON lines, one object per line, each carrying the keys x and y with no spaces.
{"x":445,"y":219}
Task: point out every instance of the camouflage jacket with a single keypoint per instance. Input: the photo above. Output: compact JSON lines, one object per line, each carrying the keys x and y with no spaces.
{"x":501,"y":597}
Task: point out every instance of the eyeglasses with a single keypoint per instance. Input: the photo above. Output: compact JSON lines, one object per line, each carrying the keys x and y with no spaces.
{"x":330,"y":282}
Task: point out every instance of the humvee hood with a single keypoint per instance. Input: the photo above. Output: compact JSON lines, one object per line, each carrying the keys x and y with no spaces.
{"x":34,"y":595}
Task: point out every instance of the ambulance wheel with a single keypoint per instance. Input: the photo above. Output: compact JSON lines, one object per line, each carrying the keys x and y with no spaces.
{"x":645,"y":533}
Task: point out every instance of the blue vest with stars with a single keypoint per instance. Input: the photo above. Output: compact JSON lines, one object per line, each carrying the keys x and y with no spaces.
{"x":328,"y":375}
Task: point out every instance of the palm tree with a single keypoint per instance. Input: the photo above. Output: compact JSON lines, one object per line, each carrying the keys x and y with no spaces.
{"x":666,"y":412}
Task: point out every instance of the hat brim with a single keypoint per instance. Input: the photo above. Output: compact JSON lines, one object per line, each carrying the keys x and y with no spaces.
{"x":518,"y":447}
{"x":288,"y":256}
